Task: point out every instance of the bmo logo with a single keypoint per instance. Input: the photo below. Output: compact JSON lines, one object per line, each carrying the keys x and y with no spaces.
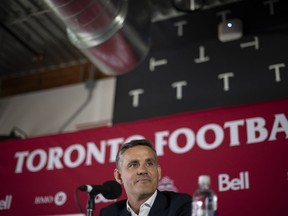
{"x":226,"y":183}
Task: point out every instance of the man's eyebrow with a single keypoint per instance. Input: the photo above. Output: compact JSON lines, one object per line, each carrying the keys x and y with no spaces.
{"x":151,"y":159}
{"x":132,"y":161}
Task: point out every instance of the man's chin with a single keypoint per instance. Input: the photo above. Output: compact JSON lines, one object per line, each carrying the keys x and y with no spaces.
{"x":145,"y":188}
{"x":145,"y":193}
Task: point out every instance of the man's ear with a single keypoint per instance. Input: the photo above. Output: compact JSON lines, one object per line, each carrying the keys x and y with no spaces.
{"x":159,"y":172}
{"x":117,"y":176}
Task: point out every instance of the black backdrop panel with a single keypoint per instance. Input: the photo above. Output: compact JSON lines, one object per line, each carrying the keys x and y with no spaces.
{"x":189,"y":68}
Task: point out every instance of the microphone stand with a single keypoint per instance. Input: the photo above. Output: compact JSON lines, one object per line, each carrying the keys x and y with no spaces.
{"x":91,"y":203}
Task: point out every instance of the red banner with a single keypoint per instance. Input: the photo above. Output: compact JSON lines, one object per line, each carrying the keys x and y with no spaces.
{"x":244,"y":150}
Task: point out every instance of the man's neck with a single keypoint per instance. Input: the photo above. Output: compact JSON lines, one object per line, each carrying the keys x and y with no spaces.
{"x":136,"y":202}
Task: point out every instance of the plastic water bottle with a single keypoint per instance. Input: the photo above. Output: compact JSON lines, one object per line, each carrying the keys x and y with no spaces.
{"x":204,"y":199}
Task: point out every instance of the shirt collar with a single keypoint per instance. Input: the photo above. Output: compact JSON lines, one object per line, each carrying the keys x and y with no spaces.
{"x":148,"y":203}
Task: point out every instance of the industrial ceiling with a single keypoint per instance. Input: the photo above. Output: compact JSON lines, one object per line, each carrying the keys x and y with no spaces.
{"x":33,"y":39}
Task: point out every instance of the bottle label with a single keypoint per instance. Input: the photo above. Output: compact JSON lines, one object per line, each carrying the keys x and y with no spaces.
{"x":204,"y":205}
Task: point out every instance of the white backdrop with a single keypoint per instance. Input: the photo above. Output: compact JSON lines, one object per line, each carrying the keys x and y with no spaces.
{"x":59,"y":110}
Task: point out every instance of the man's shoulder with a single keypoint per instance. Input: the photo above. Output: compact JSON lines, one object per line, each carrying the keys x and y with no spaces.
{"x":174,"y":197}
{"x":172,"y":203}
{"x":172,"y":194}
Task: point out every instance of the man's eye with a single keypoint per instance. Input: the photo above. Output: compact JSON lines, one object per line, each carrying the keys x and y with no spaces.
{"x":150,"y":163}
{"x":132,"y":165}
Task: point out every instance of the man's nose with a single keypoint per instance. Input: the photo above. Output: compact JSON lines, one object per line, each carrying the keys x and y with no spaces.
{"x":142,"y":169}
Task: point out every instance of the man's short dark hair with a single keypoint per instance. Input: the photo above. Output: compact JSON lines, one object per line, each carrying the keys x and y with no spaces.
{"x":133,"y":143}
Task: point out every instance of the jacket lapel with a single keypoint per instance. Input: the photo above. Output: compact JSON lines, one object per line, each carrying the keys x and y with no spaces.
{"x":159,"y":205}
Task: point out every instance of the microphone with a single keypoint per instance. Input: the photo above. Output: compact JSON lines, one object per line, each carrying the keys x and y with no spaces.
{"x":110,"y":189}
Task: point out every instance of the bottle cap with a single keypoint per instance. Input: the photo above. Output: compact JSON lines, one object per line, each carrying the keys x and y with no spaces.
{"x":204,"y":180}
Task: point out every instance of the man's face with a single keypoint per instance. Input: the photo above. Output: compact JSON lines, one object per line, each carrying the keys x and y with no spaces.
{"x":139,"y":172}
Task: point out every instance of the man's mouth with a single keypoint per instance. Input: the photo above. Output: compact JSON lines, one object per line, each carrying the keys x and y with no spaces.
{"x":143,"y":180}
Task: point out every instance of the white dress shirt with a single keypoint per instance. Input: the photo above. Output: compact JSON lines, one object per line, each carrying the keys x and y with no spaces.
{"x":144,"y":208}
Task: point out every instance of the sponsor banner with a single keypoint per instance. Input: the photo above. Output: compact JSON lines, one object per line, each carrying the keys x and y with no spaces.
{"x":244,"y":150}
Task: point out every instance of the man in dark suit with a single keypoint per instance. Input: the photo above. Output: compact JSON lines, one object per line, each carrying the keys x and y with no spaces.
{"x":138,"y":170}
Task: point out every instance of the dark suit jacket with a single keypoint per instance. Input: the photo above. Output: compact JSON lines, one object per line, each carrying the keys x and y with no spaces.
{"x":167,"y":203}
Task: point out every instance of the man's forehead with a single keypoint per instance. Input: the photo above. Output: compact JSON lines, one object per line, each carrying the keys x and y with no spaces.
{"x":138,"y":153}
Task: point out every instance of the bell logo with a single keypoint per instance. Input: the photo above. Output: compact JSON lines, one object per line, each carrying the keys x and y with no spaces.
{"x":241,"y":183}
{"x":6,"y":203}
